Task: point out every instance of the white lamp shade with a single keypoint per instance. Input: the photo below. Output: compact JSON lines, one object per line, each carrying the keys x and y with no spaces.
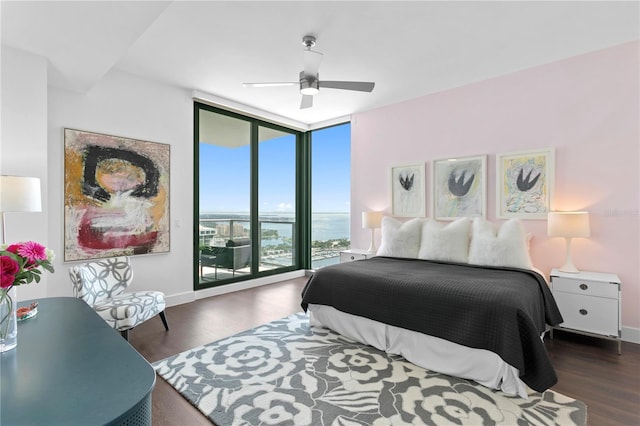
{"x":20,"y":194}
{"x":568,"y":224}
{"x":372,"y":220}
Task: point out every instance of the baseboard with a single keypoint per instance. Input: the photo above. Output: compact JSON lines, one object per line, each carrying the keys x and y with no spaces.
{"x":180,"y":298}
{"x":630,"y":334}
{"x":191,"y":296}
{"x":243,"y":285}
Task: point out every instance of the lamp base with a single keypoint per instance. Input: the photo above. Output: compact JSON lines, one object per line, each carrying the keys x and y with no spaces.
{"x":3,"y":229}
{"x":372,"y":246}
{"x":570,"y":269}
{"x":568,"y":263}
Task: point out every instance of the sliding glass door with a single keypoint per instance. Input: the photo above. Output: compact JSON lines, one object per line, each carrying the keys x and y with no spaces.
{"x":246,"y":197}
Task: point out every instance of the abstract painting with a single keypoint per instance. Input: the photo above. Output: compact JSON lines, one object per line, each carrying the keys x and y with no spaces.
{"x":459,"y":187}
{"x":407,"y":190}
{"x":116,"y":196}
{"x":524,"y":184}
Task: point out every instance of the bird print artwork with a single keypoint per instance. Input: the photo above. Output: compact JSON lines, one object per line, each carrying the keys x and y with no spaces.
{"x":406,"y":182}
{"x":459,"y":187}
{"x":524,"y":181}
{"x":525,"y":184}
{"x":408,"y":191}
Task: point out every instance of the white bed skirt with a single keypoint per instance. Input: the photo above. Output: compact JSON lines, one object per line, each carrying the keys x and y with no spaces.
{"x":432,"y":353}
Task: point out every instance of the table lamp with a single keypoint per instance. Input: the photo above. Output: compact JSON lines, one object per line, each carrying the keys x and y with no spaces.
{"x":372,"y":220}
{"x":18,"y":194}
{"x":568,"y":225}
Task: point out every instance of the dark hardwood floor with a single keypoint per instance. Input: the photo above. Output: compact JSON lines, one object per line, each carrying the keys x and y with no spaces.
{"x":588,"y":369}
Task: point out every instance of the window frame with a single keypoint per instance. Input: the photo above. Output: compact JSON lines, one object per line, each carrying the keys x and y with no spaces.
{"x":302,"y":189}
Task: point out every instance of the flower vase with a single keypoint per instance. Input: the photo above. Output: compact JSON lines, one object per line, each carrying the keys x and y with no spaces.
{"x":8,"y":320}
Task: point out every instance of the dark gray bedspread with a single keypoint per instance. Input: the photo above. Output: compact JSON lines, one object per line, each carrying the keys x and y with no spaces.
{"x":503,"y":310}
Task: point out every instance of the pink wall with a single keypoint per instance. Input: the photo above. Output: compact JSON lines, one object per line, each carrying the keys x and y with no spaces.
{"x":586,"y":107}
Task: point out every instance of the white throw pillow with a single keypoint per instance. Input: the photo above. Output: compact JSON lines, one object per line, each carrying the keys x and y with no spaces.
{"x":449,"y":243}
{"x":400,"y":239}
{"x":508,"y":248}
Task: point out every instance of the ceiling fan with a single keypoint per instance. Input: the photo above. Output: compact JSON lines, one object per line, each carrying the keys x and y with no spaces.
{"x":310,"y":83}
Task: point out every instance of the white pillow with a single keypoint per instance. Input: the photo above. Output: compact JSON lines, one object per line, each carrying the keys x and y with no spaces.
{"x":400,"y":239}
{"x":449,"y":243}
{"x":508,"y":248}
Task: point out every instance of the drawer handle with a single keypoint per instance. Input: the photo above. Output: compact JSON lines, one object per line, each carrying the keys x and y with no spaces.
{"x":353,"y":257}
{"x":583,"y":311}
{"x":584,"y":286}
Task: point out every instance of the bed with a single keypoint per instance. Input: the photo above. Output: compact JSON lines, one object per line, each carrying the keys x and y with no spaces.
{"x":480,"y":322}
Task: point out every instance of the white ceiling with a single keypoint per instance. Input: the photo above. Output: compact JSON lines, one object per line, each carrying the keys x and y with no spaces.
{"x":409,"y":48}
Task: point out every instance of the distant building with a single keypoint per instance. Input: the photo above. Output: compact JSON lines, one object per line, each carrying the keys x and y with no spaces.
{"x":206,"y":234}
{"x":223,"y":229}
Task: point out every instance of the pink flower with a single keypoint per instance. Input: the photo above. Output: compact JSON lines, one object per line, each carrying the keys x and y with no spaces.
{"x":8,"y":270}
{"x":21,"y":263}
{"x":32,"y":251}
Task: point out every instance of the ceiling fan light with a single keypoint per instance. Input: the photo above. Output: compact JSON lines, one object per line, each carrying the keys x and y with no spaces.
{"x":308,"y":84}
{"x":309,"y":90}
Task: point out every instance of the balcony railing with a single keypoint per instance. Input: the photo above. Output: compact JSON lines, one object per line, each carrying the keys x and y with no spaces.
{"x":275,"y":241}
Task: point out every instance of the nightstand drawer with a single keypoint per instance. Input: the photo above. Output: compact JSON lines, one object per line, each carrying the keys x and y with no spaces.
{"x":587,"y":313}
{"x":585,"y":287}
{"x":350,"y":257}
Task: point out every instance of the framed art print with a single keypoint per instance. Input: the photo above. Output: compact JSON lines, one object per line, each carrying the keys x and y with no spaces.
{"x":116,"y":196}
{"x":408,"y":190}
{"x":524,"y":184}
{"x":459,"y":187}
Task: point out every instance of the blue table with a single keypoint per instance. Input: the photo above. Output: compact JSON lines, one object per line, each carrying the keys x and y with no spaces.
{"x":71,"y":368}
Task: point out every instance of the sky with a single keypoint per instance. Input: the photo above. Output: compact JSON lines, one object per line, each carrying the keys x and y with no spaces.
{"x":225,"y":177}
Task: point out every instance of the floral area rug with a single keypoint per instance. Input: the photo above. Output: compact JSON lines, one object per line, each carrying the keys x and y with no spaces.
{"x":289,"y":373}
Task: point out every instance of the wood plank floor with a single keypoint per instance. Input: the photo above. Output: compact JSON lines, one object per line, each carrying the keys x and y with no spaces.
{"x":588,"y":369}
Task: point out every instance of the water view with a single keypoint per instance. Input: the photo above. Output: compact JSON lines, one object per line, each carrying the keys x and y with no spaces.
{"x":330,"y":234}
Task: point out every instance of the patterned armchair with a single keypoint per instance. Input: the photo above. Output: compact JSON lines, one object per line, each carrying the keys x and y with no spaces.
{"x":102,"y":284}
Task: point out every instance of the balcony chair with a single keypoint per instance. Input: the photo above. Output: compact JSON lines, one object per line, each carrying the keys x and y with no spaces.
{"x":235,"y":255}
{"x":208,"y":258}
{"x":102,"y":284}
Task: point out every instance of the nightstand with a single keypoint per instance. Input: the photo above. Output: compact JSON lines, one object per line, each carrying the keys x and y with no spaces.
{"x":589,"y":303}
{"x":355,"y":254}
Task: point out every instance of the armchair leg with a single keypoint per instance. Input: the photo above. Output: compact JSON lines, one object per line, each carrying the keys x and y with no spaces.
{"x":164,"y":320}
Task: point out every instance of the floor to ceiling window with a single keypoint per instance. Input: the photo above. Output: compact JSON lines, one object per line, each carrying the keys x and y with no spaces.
{"x":246,"y":197}
{"x":330,"y":194}
{"x":268,"y":199}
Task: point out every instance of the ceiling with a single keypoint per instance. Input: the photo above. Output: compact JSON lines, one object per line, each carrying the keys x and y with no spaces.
{"x":409,"y":49}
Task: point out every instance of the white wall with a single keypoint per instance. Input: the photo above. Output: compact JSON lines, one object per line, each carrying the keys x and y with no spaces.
{"x":125,"y":105}
{"x":33,"y":119}
{"x":23,"y":145}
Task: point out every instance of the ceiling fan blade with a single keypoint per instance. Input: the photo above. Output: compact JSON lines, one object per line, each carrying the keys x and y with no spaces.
{"x":360,"y":86}
{"x":274,"y":84}
{"x":306,"y":102}
{"x":312,"y":60}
